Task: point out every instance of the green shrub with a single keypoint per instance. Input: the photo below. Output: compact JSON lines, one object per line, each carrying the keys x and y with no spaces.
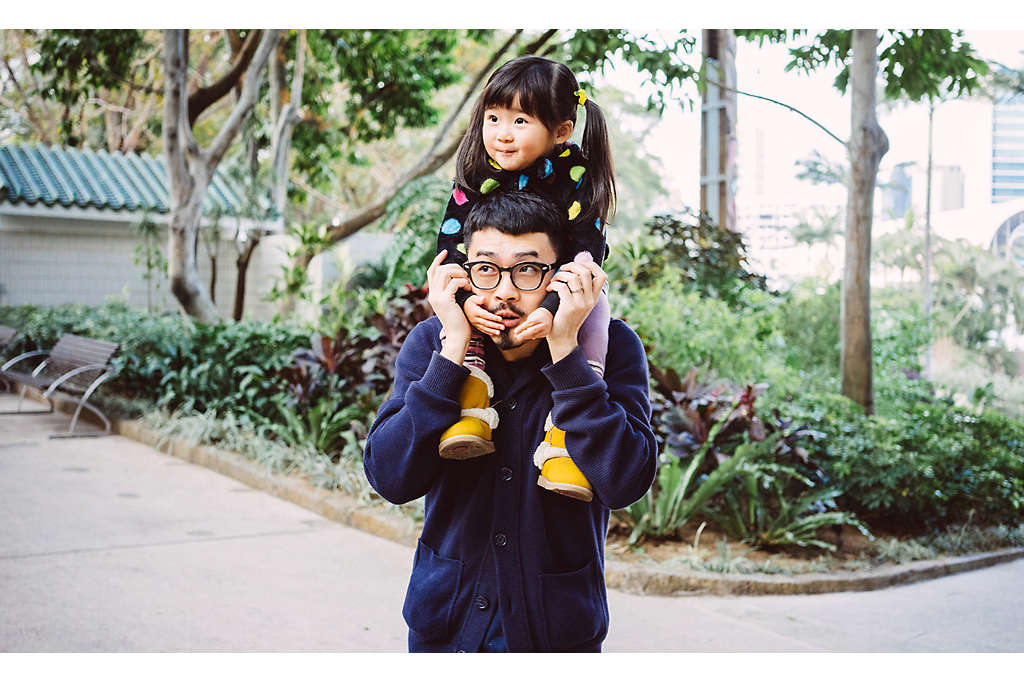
{"x":920,"y":462}
{"x":682,"y":329}
{"x":170,"y":360}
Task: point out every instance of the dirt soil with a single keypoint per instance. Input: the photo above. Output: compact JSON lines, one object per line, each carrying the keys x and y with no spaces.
{"x":853,"y":551}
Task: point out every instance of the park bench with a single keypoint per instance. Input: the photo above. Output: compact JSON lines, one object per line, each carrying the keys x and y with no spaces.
{"x":7,"y":335}
{"x":74,"y":368}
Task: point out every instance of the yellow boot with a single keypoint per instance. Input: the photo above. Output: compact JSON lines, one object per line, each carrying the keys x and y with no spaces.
{"x":471,"y":435}
{"x":558,"y":473}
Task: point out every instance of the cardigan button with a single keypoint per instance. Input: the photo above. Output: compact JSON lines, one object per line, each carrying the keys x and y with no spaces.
{"x":482,"y":602}
{"x":500,"y":540}
{"x":505,"y":473}
{"x":512,"y":406}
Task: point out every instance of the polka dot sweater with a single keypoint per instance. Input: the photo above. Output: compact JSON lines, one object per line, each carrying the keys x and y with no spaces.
{"x":557,"y":177}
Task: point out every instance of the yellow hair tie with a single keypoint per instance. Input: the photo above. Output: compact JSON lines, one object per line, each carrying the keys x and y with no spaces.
{"x":582,"y":95}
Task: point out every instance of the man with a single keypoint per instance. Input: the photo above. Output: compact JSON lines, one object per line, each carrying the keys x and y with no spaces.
{"x":503,"y":564}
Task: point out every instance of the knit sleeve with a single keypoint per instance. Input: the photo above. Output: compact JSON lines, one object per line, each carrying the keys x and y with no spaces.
{"x":400,"y":457}
{"x":607,"y":423}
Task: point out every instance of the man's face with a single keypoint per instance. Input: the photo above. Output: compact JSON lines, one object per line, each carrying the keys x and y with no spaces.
{"x":505,"y":300}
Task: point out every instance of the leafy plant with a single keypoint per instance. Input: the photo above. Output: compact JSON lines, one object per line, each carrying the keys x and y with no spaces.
{"x":319,"y":425}
{"x":760,"y":508}
{"x":674,"y":500}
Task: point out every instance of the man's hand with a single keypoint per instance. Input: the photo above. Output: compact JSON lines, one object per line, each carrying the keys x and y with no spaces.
{"x":481,"y":318}
{"x":442,"y":283}
{"x":578,"y":285}
{"x":537,"y":325}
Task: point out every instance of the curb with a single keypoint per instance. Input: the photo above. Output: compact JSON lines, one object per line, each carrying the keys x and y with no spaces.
{"x":391,"y":524}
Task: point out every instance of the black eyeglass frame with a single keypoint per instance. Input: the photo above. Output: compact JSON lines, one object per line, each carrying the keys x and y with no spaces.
{"x":543,"y":267}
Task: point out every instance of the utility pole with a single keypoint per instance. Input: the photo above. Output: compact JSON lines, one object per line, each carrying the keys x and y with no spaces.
{"x":928,"y":244}
{"x":718,"y":128}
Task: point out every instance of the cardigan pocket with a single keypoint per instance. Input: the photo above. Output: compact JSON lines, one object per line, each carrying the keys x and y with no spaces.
{"x":574,"y":607}
{"x":431,"y":595}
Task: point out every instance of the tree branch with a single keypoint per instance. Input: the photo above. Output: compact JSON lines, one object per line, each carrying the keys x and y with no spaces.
{"x":435,"y":155}
{"x":246,"y":100}
{"x":781,"y":104}
{"x":29,"y":110}
{"x":202,"y":98}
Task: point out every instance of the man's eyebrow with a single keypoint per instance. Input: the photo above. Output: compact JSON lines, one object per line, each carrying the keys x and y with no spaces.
{"x":517,"y":255}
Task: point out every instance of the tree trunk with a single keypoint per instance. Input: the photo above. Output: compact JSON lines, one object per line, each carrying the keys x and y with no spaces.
{"x":242,"y":264}
{"x":182,"y":270}
{"x":868,"y":144}
{"x":190,"y":168}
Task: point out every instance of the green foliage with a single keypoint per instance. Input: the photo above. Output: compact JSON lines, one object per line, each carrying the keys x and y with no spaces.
{"x":674,"y":498}
{"x":413,"y":217}
{"x":761,"y":507}
{"x":811,"y":304}
{"x":79,"y":62}
{"x":976,"y":293}
{"x":149,"y":255}
{"x":915,"y":64}
{"x":705,"y":257}
{"x":175,"y":362}
{"x":228,"y":366}
{"x":389,"y":77}
{"x":920,"y":461}
{"x":685,"y":329}
{"x":320,"y":425}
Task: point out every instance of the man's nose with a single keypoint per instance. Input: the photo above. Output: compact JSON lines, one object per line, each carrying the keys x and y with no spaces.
{"x":505,"y":289}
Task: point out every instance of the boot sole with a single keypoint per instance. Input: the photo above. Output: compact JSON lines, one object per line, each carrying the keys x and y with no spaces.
{"x":567,"y":489}
{"x":465,"y":447}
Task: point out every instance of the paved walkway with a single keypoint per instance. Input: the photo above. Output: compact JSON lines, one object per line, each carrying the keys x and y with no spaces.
{"x":108,"y":545}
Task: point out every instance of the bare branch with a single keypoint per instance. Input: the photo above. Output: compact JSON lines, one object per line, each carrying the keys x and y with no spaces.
{"x":29,"y":109}
{"x":202,"y":98}
{"x":250,"y":87}
{"x":435,"y":155}
{"x":781,"y":104}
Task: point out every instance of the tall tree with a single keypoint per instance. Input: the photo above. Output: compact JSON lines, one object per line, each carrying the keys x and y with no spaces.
{"x":915,"y":64}
{"x":191,"y":168}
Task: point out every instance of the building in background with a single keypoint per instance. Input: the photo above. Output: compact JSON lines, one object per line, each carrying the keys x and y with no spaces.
{"x":907,"y":188}
{"x":1008,"y":149}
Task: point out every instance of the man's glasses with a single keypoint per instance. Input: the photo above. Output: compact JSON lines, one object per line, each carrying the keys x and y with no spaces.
{"x":526,"y":276}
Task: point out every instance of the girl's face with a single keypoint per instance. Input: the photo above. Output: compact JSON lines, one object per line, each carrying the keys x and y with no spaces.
{"x":514,"y":139}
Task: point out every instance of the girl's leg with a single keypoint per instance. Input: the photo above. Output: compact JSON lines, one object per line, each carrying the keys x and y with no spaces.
{"x":558,"y":472}
{"x":593,"y":336}
{"x":471,"y":435}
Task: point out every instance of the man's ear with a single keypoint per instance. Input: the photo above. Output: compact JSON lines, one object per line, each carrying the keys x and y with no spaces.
{"x":563,"y":132}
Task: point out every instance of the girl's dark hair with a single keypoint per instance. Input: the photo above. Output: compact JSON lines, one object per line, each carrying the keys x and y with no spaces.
{"x":544,"y":89}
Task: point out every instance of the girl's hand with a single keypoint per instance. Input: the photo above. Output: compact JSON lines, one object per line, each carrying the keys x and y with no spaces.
{"x":537,"y":325}
{"x":579,"y":286}
{"x":442,"y":283}
{"x":481,"y":318}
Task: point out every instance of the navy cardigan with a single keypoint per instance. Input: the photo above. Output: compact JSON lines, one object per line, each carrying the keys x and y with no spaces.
{"x":492,"y":538}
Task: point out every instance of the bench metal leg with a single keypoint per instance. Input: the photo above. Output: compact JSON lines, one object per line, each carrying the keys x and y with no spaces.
{"x":21,"y":398}
{"x":82,"y":402}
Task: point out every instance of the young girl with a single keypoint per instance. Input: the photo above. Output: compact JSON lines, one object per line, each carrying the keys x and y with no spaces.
{"x":518,"y":139}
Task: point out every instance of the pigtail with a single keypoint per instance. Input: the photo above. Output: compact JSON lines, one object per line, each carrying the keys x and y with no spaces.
{"x":471,"y":155}
{"x":596,"y":148}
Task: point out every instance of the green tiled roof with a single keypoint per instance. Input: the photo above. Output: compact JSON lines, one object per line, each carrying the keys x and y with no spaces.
{"x":36,"y":174}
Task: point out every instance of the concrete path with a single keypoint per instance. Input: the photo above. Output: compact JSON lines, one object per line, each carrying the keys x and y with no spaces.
{"x":108,"y":545}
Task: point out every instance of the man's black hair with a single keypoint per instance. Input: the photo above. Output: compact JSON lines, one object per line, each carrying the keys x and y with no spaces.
{"x":517,"y":212}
